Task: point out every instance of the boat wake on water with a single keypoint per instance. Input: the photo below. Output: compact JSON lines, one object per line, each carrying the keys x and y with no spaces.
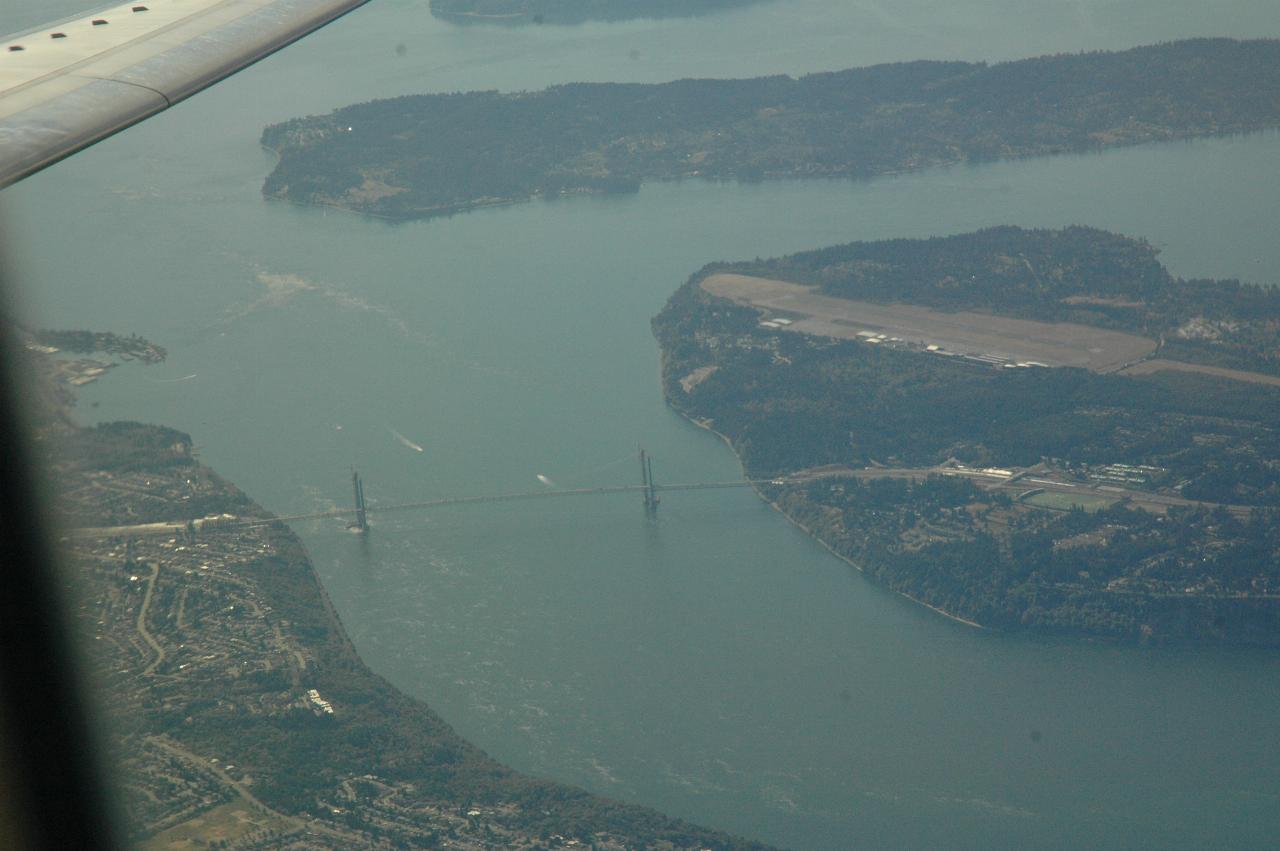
{"x":406,"y":441}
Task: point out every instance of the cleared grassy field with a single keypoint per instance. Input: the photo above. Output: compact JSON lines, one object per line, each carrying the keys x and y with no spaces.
{"x":1049,"y":343}
{"x":1067,"y":501}
{"x":228,"y":823}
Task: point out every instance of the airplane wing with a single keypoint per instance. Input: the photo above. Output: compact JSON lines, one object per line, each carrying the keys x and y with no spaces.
{"x":66,"y":86}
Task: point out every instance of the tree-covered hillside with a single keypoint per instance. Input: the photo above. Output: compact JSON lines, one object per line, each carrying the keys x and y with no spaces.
{"x":435,"y":154}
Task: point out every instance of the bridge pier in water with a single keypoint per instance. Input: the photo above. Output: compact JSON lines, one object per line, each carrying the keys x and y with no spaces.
{"x":361,"y":523}
{"x":649,"y":488}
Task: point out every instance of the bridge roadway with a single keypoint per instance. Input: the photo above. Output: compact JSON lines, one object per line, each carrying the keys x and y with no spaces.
{"x":510,"y":497}
{"x":987,"y":479}
{"x":230,"y":523}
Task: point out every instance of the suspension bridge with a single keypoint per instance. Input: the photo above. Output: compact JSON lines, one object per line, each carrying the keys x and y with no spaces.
{"x":358,"y":513}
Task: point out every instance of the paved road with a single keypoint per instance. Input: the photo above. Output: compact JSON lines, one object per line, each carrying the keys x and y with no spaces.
{"x":1014,"y":481}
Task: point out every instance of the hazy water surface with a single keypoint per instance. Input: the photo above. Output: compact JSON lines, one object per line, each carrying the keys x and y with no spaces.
{"x":714,"y":663}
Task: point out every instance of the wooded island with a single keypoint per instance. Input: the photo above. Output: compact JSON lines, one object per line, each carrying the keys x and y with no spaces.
{"x":426,"y":155}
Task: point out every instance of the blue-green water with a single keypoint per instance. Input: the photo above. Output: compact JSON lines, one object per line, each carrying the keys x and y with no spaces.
{"x":716,"y":664}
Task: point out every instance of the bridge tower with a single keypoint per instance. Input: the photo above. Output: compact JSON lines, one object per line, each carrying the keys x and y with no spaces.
{"x":649,"y":486}
{"x":361,"y":523}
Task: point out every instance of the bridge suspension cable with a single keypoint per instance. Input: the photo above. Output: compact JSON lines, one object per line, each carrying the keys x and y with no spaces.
{"x":443,"y":502}
{"x":648,"y":488}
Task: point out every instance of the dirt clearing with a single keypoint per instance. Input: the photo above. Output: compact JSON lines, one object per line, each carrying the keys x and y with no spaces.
{"x":1157,"y":365}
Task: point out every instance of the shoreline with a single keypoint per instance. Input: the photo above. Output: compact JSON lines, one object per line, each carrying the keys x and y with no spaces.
{"x":243,"y":671}
{"x":795,"y":173}
{"x":293,"y":758}
{"x":817,"y":538}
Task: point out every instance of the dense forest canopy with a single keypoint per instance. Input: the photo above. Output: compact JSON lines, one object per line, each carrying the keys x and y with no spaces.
{"x":575,"y":11}
{"x":88,"y":342}
{"x":1205,"y":564}
{"x":433,"y":154}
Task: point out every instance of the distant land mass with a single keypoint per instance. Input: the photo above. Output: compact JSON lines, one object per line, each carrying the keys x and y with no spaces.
{"x":1024,"y":429}
{"x":239,"y":714}
{"x":427,"y":155}
{"x":575,"y":11}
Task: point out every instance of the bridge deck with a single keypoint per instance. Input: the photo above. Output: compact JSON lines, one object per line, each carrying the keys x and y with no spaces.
{"x":219,"y":523}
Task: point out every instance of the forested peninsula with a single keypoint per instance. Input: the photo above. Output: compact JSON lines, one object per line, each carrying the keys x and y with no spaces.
{"x":1140,"y":502}
{"x":574,"y":11}
{"x":426,"y":155}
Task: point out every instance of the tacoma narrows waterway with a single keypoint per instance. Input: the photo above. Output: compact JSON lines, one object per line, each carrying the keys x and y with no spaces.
{"x":714,"y":662}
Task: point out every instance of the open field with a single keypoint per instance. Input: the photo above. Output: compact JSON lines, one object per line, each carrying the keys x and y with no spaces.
{"x":1157,"y":364}
{"x":226,"y":823}
{"x":1066,"y":501}
{"x":1051,"y":344}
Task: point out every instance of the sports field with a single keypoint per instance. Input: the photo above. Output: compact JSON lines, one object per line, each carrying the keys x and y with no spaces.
{"x":1067,"y":501}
